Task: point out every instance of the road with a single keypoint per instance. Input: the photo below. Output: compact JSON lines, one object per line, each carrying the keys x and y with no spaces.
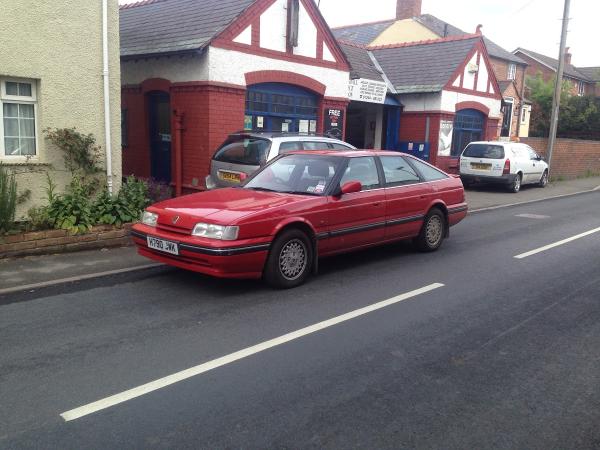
{"x":494,"y":352}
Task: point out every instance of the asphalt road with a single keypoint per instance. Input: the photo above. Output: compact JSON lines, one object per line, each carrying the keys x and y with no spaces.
{"x":506,"y":354}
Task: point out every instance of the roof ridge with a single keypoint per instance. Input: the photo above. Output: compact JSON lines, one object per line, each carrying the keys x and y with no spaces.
{"x":352,"y":44}
{"x":363,"y":24}
{"x":139,"y":3}
{"x":463,"y":37}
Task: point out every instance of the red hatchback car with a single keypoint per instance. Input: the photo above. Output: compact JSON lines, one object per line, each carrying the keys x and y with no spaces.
{"x":302,"y":206}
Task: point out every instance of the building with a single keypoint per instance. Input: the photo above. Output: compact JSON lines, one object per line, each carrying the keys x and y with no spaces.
{"x":582,"y":81}
{"x":51,"y":76}
{"x":412,"y":26}
{"x":193,"y":72}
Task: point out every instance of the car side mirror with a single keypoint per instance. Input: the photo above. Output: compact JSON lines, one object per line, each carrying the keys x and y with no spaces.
{"x":351,"y":186}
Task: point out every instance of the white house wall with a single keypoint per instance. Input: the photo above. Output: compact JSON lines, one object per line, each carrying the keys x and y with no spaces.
{"x":175,"y":69}
{"x":307,"y":35}
{"x":220,"y":70}
{"x":273,"y":26}
{"x":421,"y":102}
{"x":449,"y":99}
{"x":483,"y":77}
{"x":469,"y":77}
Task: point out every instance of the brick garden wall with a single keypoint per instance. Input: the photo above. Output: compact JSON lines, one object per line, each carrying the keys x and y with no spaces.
{"x":571,"y":158}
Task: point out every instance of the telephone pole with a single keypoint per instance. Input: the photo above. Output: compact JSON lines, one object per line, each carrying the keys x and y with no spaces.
{"x":558,"y":86}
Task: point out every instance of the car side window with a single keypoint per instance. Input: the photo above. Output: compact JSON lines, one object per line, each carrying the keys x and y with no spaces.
{"x":532,"y":153}
{"x":289,"y":146}
{"x":336,"y":146}
{"x":364,"y":170}
{"x":314,"y":145}
{"x":398,"y":172}
{"x":428,"y":172}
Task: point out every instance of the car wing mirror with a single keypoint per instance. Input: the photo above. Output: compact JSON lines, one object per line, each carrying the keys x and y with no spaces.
{"x":351,"y":186}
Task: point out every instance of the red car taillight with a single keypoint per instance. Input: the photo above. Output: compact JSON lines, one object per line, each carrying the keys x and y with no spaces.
{"x":506,"y":170}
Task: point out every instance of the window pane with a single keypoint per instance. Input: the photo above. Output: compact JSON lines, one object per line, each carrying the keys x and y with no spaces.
{"x":28,"y":146}
{"x":363,"y":170}
{"x":27,"y":127}
{"x":26,"y":111}
{"x":397,"y":171}
{"x":12,"y":88}
{"x":11,"y":110}
{"x":289,"y":146}
{"x":25,"y":89}
{"x":315,"y":146}
{"x":428,"y":172}
{"x":11,"y":146}
{"x":11,"y":127}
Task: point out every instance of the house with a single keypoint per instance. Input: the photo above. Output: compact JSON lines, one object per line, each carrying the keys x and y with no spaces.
{"x":412,"y":26}
{"x":52,"y":76}
{"x":192,"y":72}
{"x":582,"y":81}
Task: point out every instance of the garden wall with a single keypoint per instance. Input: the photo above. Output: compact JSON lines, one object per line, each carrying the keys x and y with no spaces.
{"x":571,"y":158}
{"x":59,"y":241}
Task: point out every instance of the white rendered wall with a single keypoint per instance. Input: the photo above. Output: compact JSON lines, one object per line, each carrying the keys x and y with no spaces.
{"x":174,"y":68}
{"x":482,"y":78}
{"x":336,"y":81}
{"x":450,"y":99}
{"x":422,"y":102}
{"x":468,"y":77}
{"x":273,"y":27}
{"x":307,"y":35}
{"x":245,"y":37}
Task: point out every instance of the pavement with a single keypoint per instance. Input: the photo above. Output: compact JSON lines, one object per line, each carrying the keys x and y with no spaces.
{"x":499,"y":352}
{"x":35,"y":272}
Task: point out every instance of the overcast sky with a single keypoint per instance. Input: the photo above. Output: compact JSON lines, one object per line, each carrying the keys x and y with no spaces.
{"x":531,"y":24}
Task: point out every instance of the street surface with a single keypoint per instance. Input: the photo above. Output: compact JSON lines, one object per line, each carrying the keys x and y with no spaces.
{"x":466,"y":348}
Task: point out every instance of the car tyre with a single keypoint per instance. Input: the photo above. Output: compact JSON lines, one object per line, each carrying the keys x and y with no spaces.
{"x":290,"y":260}
{"x":515,"y":186}
{"x":544,"y":180}
{"x":432,"y":232}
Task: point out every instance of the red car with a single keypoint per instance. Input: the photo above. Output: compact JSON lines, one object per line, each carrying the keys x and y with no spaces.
{"x":302,"y":206}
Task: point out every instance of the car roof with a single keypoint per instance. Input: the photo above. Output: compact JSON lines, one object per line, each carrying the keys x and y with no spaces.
{"x":285,"y":136}
{"x":347,"y":153}
{"x":502,"y":143}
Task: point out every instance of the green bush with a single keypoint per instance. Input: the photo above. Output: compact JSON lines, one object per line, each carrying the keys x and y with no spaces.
{"x":126,"y":206}
{"x":73,"y":210}
{"x":8,"y":199}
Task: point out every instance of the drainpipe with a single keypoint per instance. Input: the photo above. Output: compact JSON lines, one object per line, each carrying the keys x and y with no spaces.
{"x":105,"y":76}
{"x":178,"y":156}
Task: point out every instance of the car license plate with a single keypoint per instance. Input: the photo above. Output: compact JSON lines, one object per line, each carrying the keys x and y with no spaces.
{"x":230,"y":176}
{"x":480,"y":166}
{"x":162,"y":245}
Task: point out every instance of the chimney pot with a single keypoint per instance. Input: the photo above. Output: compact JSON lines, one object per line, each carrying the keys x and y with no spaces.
{"x":568,"y":55}
{"x":407,"y":9}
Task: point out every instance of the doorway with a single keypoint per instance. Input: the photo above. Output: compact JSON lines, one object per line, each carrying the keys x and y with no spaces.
{"x":468,"y":127}
{"x":159,"y":114}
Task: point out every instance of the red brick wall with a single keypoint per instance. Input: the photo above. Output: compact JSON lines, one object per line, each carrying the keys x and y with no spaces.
{"x":571,"y":158}
{"x":501,"y":71}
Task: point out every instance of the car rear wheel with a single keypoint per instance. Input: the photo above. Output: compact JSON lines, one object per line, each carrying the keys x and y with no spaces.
{"x":544,"y":180}
{"x":290,"y":260}
{"x":433,"y":231}
{"x":515,"y":186}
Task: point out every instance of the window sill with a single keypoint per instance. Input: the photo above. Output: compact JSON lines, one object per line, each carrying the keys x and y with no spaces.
{"x":21,"y":162}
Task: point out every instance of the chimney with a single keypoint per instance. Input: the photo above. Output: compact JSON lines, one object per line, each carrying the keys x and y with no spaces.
{"x":568,"y":55}
{"x":407,"y":9}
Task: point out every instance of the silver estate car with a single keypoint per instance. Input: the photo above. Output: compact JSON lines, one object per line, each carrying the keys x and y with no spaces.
{"x":243,"y":153}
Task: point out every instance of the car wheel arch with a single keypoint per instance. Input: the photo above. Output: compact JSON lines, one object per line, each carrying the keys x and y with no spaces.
{"x":306,"y":228}
{"x":444,"y":209}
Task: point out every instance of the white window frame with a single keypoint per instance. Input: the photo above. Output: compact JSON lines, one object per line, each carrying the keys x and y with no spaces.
{"x":580,"y":88}
{"x":512,"y":71}
{"x":22,"y":100}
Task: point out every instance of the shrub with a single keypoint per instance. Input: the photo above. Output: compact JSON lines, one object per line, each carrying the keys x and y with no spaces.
{"x":125,"y":207}
{"x":158,"y":191}
{"x":80,"y":152}
{"x":8,"y":199}
{"x":72,"y":211}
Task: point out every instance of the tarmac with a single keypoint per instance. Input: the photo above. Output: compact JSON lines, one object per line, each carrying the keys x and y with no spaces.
{"x":31,"y":273}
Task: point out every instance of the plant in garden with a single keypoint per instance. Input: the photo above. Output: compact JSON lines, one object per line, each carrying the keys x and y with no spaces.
{"x":8,"y":199}
{"x":80,"y":151}
{"x":125,"y":207}
{"x":159,"y":191}
{"x":71,"y":211}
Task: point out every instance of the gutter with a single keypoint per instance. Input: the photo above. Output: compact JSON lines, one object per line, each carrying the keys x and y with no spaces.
{"x":106,"y":79}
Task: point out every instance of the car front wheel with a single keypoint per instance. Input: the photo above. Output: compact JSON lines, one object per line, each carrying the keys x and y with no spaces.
{"x":290,"y":260}
{"x":544,"y":180}
{"x":433,"y":231}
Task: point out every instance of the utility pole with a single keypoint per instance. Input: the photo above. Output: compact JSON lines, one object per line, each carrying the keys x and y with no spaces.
{"x":558,"y":86}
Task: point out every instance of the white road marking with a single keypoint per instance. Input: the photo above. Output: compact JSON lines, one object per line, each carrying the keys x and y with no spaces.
{"x":556,"y":244}
{"x":532,"y":216}
{"x":138,"y":391}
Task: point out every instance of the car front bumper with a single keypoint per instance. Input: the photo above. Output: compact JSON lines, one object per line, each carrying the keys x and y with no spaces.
{"x":225,"y":260}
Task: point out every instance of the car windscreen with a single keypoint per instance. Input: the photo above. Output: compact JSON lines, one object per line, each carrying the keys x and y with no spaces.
{"x":484,"y":151}
{"x":243,"y":150}
{"x":297,"y":174}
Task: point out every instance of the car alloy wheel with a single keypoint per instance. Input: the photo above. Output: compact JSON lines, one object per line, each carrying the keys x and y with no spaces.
{"x":293,"y":259}
{"x":516,"y":185}
{"x":433,"y":230}
{"x":544,"y":179}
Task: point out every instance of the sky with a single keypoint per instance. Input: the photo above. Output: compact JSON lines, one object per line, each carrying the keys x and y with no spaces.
{"x":531,"y":24}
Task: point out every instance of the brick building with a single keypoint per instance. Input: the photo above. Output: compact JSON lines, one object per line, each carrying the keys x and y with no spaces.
{"x":583,"y":81}
{"x":193,"y":72}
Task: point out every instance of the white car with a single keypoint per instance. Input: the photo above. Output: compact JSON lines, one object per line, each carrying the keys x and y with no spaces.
{"x":498,"y":162}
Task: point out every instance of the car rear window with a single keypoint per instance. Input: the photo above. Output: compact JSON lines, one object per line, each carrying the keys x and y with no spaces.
{"x":484,"y":151}
{"x":243,"y":150}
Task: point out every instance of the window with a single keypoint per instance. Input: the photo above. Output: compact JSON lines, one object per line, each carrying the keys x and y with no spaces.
{"x":243,"y":150}
{"x":289,"y":146}
{"x":428,"y":172}
{"x":580,"y":88}
{"x":398,"y":172}
{"x":486,"y":151}
{"x":335,"y":146}
{"x":315,"y":145}
{"x":18,"y":118}
{"x":532,"y":154}
{"x":363,"y":170}
{"x":512,"y":71}
{"x":524,"y":114}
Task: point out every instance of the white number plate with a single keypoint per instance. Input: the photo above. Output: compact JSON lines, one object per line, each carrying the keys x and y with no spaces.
{"x":162,"y":245}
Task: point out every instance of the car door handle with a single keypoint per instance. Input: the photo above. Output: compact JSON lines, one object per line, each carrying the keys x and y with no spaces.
{"x":377,"y":204}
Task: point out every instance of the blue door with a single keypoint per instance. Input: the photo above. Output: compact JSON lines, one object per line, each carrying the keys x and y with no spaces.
{"x":159,"y":110}
{"x":468,"y":127}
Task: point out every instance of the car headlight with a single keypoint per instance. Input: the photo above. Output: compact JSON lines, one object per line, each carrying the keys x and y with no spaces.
{"x":149,"y":218}
{"x":211,"y":231}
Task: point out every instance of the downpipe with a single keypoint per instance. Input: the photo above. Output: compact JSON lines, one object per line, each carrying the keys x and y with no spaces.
{"x":106,"y":79}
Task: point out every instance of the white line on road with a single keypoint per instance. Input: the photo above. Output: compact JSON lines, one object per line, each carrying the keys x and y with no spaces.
{"x":138,"y":391}
{"x":556,"y":244}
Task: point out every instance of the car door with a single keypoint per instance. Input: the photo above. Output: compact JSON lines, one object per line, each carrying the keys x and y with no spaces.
{"x":407,"y":197}
{"x":523,"y":162}
{"x":357,"y":219}
{"x":537,"y":165}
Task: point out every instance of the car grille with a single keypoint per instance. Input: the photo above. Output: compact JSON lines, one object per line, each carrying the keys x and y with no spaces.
{"x":174,"y":229}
